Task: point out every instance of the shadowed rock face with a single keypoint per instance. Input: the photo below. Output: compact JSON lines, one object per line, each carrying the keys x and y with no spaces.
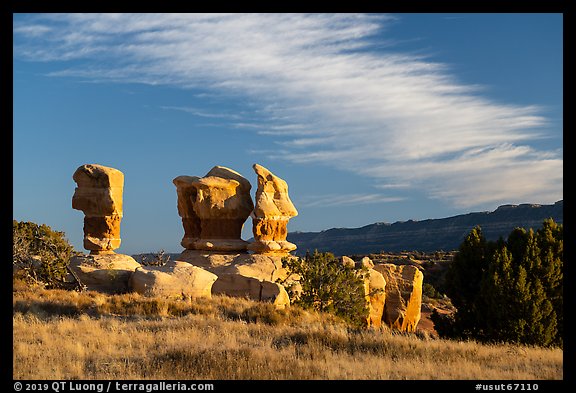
{"x":186,"y":196}
{"x":99,"y":196}
{"x":271,"y":213}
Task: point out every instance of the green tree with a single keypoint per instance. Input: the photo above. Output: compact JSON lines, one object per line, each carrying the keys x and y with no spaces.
{"x":463,"y":280}
{"x":40,"y":254}
{"x":327,"y":285}
{"x":507,"y":290}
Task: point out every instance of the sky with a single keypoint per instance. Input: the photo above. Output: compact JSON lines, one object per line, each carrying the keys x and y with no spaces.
{"x":367,"y":117}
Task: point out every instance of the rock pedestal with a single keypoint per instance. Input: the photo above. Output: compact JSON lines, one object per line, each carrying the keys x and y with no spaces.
{"x":271,"y":213}
{"x":99,"y":196}
{"x":403,"y":295}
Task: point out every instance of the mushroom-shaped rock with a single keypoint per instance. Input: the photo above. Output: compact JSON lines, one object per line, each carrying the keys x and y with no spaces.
{"x":271,"y":213}
{"x":403,"y":295}
{"x":99,"y":195}
{"x":223,"y":203}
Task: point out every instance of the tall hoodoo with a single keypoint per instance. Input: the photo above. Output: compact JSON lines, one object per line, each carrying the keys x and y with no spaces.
{"x":99,"y":196}
{"x":271,"y":214}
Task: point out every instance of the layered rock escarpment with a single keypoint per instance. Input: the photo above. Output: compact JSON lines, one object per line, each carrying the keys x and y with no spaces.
{"x":271,"y":213}
{"x":99,"y":196}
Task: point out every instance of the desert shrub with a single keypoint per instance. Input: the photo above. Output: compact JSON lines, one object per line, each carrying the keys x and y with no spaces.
{"x":159,"y":258}
{"x":431,"y":292}
{"x":326,"y":285}
{"x":39,"y":254}
{"x":508,"y":290}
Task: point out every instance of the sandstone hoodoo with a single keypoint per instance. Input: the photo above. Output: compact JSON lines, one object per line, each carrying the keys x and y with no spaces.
{"x":186,"y":197}
{"x":99,"y":196}
{"x":213,"y":210}
{"x":271,"y":213}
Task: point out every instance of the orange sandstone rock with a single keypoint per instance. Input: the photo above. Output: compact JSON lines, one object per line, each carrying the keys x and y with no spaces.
{"x":403,"y":295}
{"x":271,"y":213}
{"x":99,"y":196}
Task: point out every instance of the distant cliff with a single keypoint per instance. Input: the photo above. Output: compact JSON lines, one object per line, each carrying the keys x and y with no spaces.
{"x":426,"y":235}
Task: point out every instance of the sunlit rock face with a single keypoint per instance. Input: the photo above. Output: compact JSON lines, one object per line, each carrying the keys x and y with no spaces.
{"x":272,"y":211}
{"x":173,"y":280}
{"x":99,"y":195}
{"x":403,"y":295}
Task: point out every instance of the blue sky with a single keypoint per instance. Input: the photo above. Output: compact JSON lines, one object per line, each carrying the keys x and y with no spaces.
{"x":369,"y":118}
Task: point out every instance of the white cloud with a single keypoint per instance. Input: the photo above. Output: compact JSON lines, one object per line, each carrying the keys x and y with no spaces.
{"x":398,"y":118}
{"x":332,"y":200}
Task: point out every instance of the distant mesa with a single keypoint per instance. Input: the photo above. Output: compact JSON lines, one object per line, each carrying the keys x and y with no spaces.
{"x":426,"y":235}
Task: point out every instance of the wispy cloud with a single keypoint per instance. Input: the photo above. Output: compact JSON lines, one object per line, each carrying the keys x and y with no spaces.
{"x":203,"y":113}
{"x":395,"y":117}
{"x":332,"y":200}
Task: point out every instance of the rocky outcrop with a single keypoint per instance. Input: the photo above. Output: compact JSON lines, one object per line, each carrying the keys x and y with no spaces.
{"x":403,"y":295}
{"x":262,"y":267}
{"x":237,"y":285}
{"x":186,"y":197}
{"x":376,"y":297}
{"x":173,"y":280}
{"x":108,"y":273}
{"x":271,"y":213}
{"x":426,"y":235}
{"x":99,"y":196}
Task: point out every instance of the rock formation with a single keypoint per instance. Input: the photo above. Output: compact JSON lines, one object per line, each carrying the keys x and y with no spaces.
{"x":186,"y":197}
{"x":108,"y":273}
{"x":99,"y":196}
{"x":238,"y":285}
{"x":403,"y":295}
{"x":374,"y":288}
{"x":377,"y":298}
{"x":271,"y":213}
{"x":173,"y":280}
{"x":213,"y":210}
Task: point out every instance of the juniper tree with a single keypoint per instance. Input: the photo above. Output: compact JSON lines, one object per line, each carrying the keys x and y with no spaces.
{"x":507,"y":290}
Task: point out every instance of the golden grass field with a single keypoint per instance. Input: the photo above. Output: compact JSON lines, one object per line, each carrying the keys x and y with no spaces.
{"x":69,"y":335}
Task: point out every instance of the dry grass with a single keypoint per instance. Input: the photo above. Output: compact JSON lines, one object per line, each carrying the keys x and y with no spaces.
{"x":67,"y":335}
